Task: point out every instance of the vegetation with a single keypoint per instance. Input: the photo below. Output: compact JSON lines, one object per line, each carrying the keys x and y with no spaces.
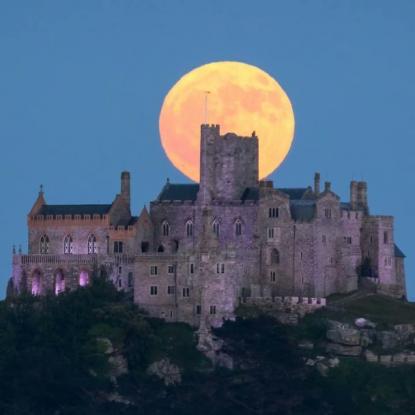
{"x":52,"y":361}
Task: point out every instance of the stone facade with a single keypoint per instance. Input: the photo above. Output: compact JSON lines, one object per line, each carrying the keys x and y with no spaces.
{"x":202,"y":249}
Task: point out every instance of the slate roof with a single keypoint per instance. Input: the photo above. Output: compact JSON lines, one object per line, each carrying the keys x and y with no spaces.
{"x":303,"y":210}
{"x":294,"y":193}
{"x":398,"y":252}
{"x":178,"y":192}
{"x":250,"y":193}
{"x":74,"y":209}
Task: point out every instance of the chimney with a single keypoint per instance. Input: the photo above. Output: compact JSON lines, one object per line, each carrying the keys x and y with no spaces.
{"x":125,"y":186}
{"x":317,"y":183}
{"x":327,"y":186}
{"x":362,"y":196}
{"x":353,"y":195}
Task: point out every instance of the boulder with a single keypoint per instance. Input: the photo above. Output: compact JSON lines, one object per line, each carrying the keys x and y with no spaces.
{"x":364,"y":323}
{"x":344,"y":335}
{"x":165,"y":370}
{"x":343,"y":350}
{"x":405,"y":332}
{"x":371,"y":357}
{"x":387,"y":339}
{"x":118,"y":365}
{"x":385,"y":359}
{"x":333,"y":362}
{"x":322,"y":368}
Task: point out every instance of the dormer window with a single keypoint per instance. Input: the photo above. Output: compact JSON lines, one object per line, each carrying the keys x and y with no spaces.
{"x":44,"y":244}
{"x":165,"y":228}
{"x":68,"y":245}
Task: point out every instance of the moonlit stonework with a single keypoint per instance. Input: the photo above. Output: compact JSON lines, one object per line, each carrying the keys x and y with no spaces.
{"x":241,"y":98}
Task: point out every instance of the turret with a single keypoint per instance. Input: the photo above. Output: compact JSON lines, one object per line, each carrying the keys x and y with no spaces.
{"x":316,"y":183}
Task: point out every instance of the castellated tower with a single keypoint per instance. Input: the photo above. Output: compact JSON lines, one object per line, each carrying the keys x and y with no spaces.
{"x":228,"y":164}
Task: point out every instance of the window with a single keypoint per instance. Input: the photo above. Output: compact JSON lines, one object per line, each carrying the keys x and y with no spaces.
{"x":198,"y":309}
{"x":130,"y":279}
{"x":118,"y":247}
{"x":59,"y":282}
{"x":192,"y":268}
{"x":119,"y":270}
{"x":153,"y":270}
{"x":388,"y":261}
{"x":331,"y":260}
{"x":44,"y":244}
{"x":275,"y":256}
{"x":160,"y":248}
{"x":270,"y":233}
{"x":371,"y":240}
{"x":186,"y":292}
{"x":348,"y":240}
{"x":170,"y":269}
{"x":83,"y":278}
{"x":189,"y":228}
{"x":68,"y":245}
{"x":92,"y":245}
{"x":238,"y":227}
{"x":220,"y":268}
{"x":212,"y":309}
{"x":171,"y":289}
{"x":273,"y":212}
{"x":273,"y":276}
{"x":327,"y":213}
{"x":216,"y":227}
{"x":385,"y":237}
{"x":145,"y":246}
{"x":165,"y":228}
{"x":153,"y":290}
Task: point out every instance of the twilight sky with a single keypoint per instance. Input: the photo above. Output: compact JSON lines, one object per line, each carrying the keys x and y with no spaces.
{"x":82,"y":83}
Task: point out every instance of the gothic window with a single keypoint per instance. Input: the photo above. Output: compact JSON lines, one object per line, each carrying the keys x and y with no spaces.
{"x":216,"y":227}
{"x":59,"y":282}
{"x":189,"y":228}
{"x":36,"y":283}
{"x":273,"y":212}
{"x":165,"y":228}
{"x":92,"y":245}
{"x":238,"y":227}
{"x":44,"y":244}
{"x":83,"y":278}
{"x":68,"y":245}
{"x":118,"y":247}
{"x":275,"y":256}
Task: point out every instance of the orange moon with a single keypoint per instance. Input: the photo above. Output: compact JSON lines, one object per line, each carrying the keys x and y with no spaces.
{"x":242,"y":98}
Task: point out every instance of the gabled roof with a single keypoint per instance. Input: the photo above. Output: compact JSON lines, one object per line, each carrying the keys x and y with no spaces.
{"x":294,"y":193}
{"x":179,"y":192}
{"x":302,"y":210}
{"x":398,"y":252}
{"x":74,"y":209}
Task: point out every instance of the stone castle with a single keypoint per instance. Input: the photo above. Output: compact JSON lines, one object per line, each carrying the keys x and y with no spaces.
{"x":203,"y":248}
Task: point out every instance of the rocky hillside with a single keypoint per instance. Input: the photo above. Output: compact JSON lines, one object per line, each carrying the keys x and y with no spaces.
{"x":92,"y":352}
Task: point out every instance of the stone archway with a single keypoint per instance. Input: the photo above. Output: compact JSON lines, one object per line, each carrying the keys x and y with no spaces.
{"x":36,"y":288}
{"x":59,"y":281}
{"x":83,"y":278}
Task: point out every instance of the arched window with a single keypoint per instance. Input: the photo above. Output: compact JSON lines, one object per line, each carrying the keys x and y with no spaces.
{"x":189,"y":228}
{"x":238,"y":227}
{"x":92,"y":245}
{"x":44,"y":244}
{"x":83,"y":278}
{"x":216,"y":227}
{"x":165,"y":228}
{"x":68,"y":245}
{"x":275,"y":256}
{"x":59,"y":282}
{"x":36,"y":283}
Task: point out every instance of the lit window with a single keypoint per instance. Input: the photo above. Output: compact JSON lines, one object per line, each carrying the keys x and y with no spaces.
{"x":83,"y":278}
{"x":153,"y":290}
{"x":189,"y":228}
{"x":59,"y":282}
{"x":36,"y":283}
{"x":68,"y":245}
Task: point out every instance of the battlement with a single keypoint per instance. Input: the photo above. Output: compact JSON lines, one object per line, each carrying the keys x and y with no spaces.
{"x":67,"y":219}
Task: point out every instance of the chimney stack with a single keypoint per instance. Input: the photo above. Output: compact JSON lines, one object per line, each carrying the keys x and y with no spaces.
{"x":317,"y":183}
{"x":125,"y":186}
{"x":362,"y":196}
{"x":353,"y":195}
{"x":327,"y":186}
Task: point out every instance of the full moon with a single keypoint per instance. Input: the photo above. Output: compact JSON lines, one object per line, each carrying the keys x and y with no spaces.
{"x":241,"y":98}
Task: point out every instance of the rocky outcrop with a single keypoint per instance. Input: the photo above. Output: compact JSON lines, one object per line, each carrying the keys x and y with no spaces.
{"x":168,"y":372}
